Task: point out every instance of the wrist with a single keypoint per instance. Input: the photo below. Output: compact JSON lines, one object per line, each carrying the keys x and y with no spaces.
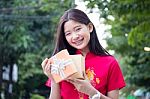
{"x":92,"y":92}
{"x":53,"y":83}
{"x":97,"y":95}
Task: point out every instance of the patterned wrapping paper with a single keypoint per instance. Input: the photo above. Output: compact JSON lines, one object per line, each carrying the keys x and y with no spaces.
{"x":62,"y":66}
{"x":65,"y":66}
{"x":80,"y":66}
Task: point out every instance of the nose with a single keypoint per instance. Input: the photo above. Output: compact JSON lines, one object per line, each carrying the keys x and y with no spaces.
{"x":75,"y":36}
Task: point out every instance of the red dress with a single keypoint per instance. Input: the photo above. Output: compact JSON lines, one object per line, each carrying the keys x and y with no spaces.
{"x":103,"y":72}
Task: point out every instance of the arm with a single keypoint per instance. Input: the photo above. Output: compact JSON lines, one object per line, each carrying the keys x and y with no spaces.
{"x":55,"y":88}
{"x":114,"y":94}
{"x":85,"y":87}
{"x":55,"y":91}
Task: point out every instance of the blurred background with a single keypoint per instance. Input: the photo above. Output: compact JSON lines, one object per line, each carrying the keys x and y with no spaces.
{"x":27,"y":31}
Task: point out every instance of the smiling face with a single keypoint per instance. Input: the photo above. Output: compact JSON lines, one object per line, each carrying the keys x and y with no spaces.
{"x":78,"y":34}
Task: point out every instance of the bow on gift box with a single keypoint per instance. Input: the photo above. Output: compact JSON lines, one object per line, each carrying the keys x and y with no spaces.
{"x":59,"y":65}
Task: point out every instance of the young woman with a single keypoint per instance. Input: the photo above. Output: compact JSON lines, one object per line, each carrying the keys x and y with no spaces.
{"x":77,"y":34}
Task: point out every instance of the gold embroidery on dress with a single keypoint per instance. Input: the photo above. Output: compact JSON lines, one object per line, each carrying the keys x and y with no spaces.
{"x":81,"y":98}
{"x":97,"y":80}
{"x":81,"y":95}
{"x":90,"y":74}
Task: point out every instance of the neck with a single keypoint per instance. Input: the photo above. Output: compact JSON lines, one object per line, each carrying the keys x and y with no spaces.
{"x":84,"y":51}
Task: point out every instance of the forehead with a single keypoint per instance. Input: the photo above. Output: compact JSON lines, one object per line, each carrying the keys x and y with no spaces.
{"x":71,"y":24}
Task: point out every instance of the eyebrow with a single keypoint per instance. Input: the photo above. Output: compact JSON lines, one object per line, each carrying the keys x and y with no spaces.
{"x":77,"y":26}
{"x":73,"y":28}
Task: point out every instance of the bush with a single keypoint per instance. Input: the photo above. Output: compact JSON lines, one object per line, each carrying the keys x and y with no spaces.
{"x":36,"y":96}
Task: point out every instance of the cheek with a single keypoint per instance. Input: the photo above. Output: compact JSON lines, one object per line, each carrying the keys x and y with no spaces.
{"x":68,"y":39}
{"x":88,"y":36}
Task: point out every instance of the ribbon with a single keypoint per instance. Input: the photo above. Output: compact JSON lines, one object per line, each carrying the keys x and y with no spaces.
{"x":59,"y":65}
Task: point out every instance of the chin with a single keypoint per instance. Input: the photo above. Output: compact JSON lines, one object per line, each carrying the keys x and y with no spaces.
{"x":79,"y":48}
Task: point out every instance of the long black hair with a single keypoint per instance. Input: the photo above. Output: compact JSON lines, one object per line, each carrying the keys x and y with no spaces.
{"x":79,"y":16}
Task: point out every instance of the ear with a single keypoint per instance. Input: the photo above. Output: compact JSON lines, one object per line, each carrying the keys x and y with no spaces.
{"x":90,"y":25}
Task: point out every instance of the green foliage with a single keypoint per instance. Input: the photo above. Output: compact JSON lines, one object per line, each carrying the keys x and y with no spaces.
{"x":36,"y":96}
{"x":140,"y":34}
{"x":130,"y":34}
{"x":27,"y":29}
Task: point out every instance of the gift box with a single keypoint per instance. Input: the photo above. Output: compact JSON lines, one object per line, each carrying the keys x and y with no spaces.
{"x":62,"y":66}
{"x":80,"y":66}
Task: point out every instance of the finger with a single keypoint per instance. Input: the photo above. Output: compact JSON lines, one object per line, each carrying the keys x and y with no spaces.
{"x":47,"y":68}
{"x":84,"y":74}
{"x":49,"y":62}
{"x":44,"y":62}
{"x":70,"y":81}
{"x":78,"y":80}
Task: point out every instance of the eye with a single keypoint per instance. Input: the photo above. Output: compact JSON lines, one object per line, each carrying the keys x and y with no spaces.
{"x":77,"y":29}
{"x":67,"y":33}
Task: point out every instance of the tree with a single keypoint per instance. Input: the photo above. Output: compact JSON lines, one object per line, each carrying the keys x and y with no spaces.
{"x":129,"y":21}
{"x":26,"y":37}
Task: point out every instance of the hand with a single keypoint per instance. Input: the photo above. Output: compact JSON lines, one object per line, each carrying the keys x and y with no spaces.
{"x":46,"y":65}
{"x":83,"y":86}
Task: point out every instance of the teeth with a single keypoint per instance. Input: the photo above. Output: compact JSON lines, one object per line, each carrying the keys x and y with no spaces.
{"x":78,"y":42}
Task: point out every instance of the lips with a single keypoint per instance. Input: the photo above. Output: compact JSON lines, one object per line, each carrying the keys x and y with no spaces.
{"x":78,"y":42}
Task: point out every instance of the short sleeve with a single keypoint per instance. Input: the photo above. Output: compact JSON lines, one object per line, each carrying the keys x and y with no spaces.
{"x":115,"y":77}
{"x":48,"y":83}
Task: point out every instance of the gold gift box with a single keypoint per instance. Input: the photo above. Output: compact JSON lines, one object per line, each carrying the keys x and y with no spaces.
{"x":80,"y":66}
{"x":65,"y":66}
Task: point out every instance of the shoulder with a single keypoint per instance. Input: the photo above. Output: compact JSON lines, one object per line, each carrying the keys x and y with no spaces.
{"x":112,"y":59}
{"x":105,"y":61}
{"x":109,"y":62}
{"x":109,"y":59}
{"x":113,"y":62}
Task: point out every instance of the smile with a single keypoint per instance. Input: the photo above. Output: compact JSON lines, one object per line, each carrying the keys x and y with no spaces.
{"x":79,"y":42}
